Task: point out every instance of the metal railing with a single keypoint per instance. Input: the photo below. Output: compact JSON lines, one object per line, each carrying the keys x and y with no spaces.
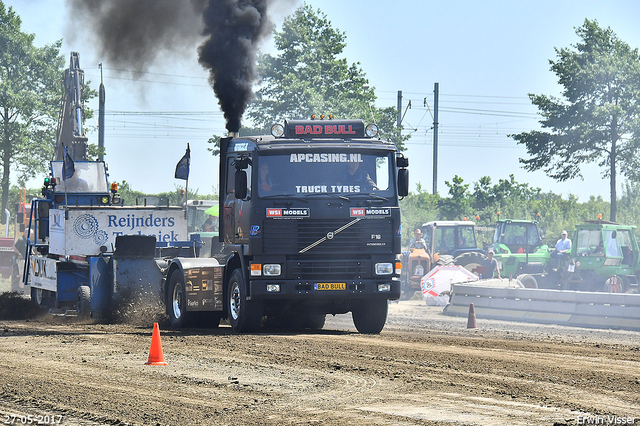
{"x":572,"y":308}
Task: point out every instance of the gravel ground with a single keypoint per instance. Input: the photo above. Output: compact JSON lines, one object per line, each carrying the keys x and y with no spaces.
{"x":425,"y":368}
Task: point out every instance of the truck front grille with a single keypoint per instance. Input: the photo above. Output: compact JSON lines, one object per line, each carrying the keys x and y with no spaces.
{"x":329,"y":270}
{"x":295,"y":236}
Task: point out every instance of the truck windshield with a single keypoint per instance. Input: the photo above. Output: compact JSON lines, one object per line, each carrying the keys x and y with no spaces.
{"x":89,"y":176}
{"x":334,"y":173}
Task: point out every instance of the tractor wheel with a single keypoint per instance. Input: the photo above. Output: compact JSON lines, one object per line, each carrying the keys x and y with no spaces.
{"x":83,"y":302}
{"x":407,"y":291}
{"x":528,"y":281}
{"x":445,"y":260}
{"x":613,"y":285}
{"x":471,"y":261}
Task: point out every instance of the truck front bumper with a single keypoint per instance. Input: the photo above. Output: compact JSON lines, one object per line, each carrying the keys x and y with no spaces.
{"x":296,"y":289}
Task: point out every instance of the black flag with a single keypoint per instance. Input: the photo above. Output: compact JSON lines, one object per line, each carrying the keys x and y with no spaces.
{"x":68,"y":168}
{"x":182,"y":168}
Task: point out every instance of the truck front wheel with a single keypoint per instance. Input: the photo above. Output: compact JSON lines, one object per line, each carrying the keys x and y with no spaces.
{"x":369,"y":316}
{"x":245,"y":316}
{"x":177,"y":301}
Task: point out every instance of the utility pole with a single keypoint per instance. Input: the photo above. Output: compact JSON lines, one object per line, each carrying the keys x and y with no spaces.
{"x":101,"y":100}
{"x":436,"y":92}
{"x":399,"y":108}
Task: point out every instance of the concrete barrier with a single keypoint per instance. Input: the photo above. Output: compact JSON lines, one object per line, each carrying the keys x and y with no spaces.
{"x":574,"y":308}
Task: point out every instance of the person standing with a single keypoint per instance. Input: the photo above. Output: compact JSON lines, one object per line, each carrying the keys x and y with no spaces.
{"x":563,"y":246}
{"x":490,"y":266}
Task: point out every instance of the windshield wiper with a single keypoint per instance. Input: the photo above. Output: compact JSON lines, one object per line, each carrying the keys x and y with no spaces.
{"x":283,"y":197}
{"x":342,"y":197}
{"x":372,"y":195}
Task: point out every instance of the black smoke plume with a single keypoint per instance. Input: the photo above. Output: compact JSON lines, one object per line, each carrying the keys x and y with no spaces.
{"x":135,"y":34}
{"x":234,"y":29}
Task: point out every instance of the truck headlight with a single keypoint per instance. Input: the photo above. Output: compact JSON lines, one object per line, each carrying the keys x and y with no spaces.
{"x":271,"y":270}
{"x":273,"y":288}
{"x":384,"y":268}
{"x":371,"y":130}
{"x":277,"y":130}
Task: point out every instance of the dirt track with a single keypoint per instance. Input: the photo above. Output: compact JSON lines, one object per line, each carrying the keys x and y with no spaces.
{"x":424,"y":368}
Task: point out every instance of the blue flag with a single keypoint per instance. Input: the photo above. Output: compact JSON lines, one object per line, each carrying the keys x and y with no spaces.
{"x":68,"y":168}
{"x":182,"y":168}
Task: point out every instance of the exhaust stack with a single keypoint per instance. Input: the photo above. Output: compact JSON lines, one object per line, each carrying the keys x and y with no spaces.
{"x":234,"y":135}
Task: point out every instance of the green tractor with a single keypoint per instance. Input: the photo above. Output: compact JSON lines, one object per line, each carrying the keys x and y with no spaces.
{"x":604,"y":257}
{"x":522,"y":254}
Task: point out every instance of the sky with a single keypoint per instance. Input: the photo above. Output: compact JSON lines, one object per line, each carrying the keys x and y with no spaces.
{"x":486,"y":57}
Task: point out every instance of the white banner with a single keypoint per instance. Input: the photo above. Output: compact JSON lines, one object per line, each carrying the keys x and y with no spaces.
{"x":85,"y":230}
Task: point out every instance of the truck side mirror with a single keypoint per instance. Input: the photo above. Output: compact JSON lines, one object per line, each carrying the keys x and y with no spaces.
{"x":20,"y":217}
{"x":402,"y":161}
{"x":240,"y":189}
{"x":403,"y":182}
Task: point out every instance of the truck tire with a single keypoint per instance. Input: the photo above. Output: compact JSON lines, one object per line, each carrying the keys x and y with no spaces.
{"x":245,"y":316}
{"x":177,"y":300}
{"x":528,"y":281}
{"x":369,"y":316}
{"x":83,"y":302}
{"x":37,"y":296}
{"x":471,"y":261}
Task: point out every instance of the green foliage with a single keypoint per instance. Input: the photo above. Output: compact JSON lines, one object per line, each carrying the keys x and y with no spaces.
{"x":416,"y":209}
{"x":308,"y":77}
{"x":509,"y":199}
{"x":629,"y":204}
{"x":598,"y":118}
{"x":128,"y":195}
{"x":131,"y":197}
{"x":459,"y":202}
{"x":29,"y":101}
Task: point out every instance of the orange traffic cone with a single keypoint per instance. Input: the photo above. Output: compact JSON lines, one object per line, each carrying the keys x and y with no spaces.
{"x":471,"y":322}
{"x":155,"y":353}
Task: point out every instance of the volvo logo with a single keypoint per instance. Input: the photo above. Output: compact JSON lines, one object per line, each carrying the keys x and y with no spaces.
{"x":330,"y":235}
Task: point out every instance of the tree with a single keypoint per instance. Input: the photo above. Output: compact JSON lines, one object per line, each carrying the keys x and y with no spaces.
{"x":459,"y":204}
{"x":29,"y":101}
{"x":598,"y":118}
{"x":417,"y":209}
{"x":307,"y":78}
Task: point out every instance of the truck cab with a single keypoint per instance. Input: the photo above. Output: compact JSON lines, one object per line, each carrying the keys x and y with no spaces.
{"x":309,"y":224}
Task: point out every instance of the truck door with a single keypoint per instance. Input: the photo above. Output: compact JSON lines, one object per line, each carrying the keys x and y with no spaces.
{"x":229,"y":209}
{"x":236,"y":211}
